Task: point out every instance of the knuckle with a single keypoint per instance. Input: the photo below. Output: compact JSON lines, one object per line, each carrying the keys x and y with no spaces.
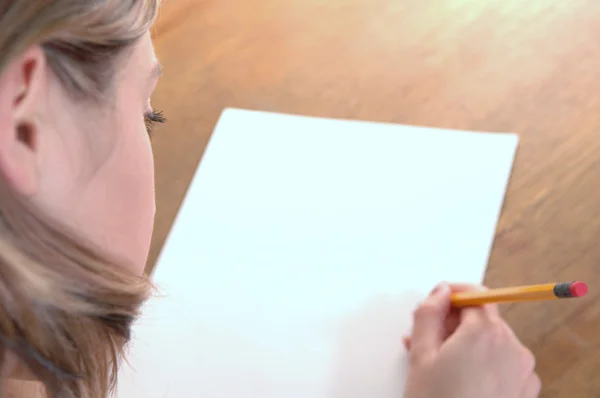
{"x":528,"y":359}
{"x":536,"y":385}
{"x":496,"y":330}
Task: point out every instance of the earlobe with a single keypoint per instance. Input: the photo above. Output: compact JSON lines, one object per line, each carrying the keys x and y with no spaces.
{"x":21,"y":93}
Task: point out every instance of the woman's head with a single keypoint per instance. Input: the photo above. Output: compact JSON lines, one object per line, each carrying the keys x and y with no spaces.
{"x":75,"y":85}
{"x":76,"y":184}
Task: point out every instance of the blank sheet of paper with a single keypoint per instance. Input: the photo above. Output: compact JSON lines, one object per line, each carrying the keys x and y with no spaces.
{"x":301,"y":249}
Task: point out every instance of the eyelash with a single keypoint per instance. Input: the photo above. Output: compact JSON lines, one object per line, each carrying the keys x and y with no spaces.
{"x":152,"y":119}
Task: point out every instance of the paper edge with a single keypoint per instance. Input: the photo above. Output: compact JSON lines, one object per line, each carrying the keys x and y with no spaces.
{"x":500,"y":210}
{"x":186,"y":195}
{"x":233,"y":110}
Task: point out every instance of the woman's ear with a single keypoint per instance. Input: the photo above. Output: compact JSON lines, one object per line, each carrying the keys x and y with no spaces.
{"x":21,"y":94}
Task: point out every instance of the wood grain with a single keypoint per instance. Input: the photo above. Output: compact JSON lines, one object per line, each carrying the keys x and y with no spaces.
{"x":531,"y":67}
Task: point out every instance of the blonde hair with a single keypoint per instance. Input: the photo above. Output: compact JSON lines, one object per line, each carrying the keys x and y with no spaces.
{"x":65,"y":310}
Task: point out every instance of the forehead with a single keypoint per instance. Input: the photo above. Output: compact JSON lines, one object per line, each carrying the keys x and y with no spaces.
{"x":143,"y":58}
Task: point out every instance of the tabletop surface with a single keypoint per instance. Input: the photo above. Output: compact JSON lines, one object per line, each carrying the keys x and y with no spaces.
{"x":489,"y":65}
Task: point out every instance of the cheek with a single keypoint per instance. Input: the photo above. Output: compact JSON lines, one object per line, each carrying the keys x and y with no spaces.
{"x":134,"y":198}
{"x":118,"y":205}
{"x":103,"y":189}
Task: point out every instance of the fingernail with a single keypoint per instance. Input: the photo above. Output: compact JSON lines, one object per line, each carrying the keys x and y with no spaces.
{"x":440,"y":289}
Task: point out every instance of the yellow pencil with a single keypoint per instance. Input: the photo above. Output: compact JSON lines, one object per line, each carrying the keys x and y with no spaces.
{"x":547,"y":291}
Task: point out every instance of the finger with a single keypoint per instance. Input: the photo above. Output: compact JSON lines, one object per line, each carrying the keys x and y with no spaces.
{"x":452,"y":321}
{"x":472,"y":318}
{"x":477,"y":321}
{"x":450,"y":324}
{"x":532,"y":387}
{"x":428,"y":329}
{"x":465,"y":287}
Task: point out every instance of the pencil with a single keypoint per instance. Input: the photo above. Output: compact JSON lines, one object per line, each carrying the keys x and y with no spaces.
{"x":549,"y":291}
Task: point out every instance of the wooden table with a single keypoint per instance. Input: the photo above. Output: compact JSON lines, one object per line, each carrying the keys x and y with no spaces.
{"x":531,"y":67}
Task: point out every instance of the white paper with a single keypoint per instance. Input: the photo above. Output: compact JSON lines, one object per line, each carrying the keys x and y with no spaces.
{"x":301,"y":249}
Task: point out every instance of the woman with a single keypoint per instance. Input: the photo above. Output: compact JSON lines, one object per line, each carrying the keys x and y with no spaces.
{"x":76,"y":186}
{"x":77,"y":207}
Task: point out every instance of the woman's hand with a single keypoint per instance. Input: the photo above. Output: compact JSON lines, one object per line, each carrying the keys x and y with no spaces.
{"x":471,"y":353}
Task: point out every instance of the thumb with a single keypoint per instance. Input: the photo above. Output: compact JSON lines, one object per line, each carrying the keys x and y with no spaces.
{"x":429,"y":328}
